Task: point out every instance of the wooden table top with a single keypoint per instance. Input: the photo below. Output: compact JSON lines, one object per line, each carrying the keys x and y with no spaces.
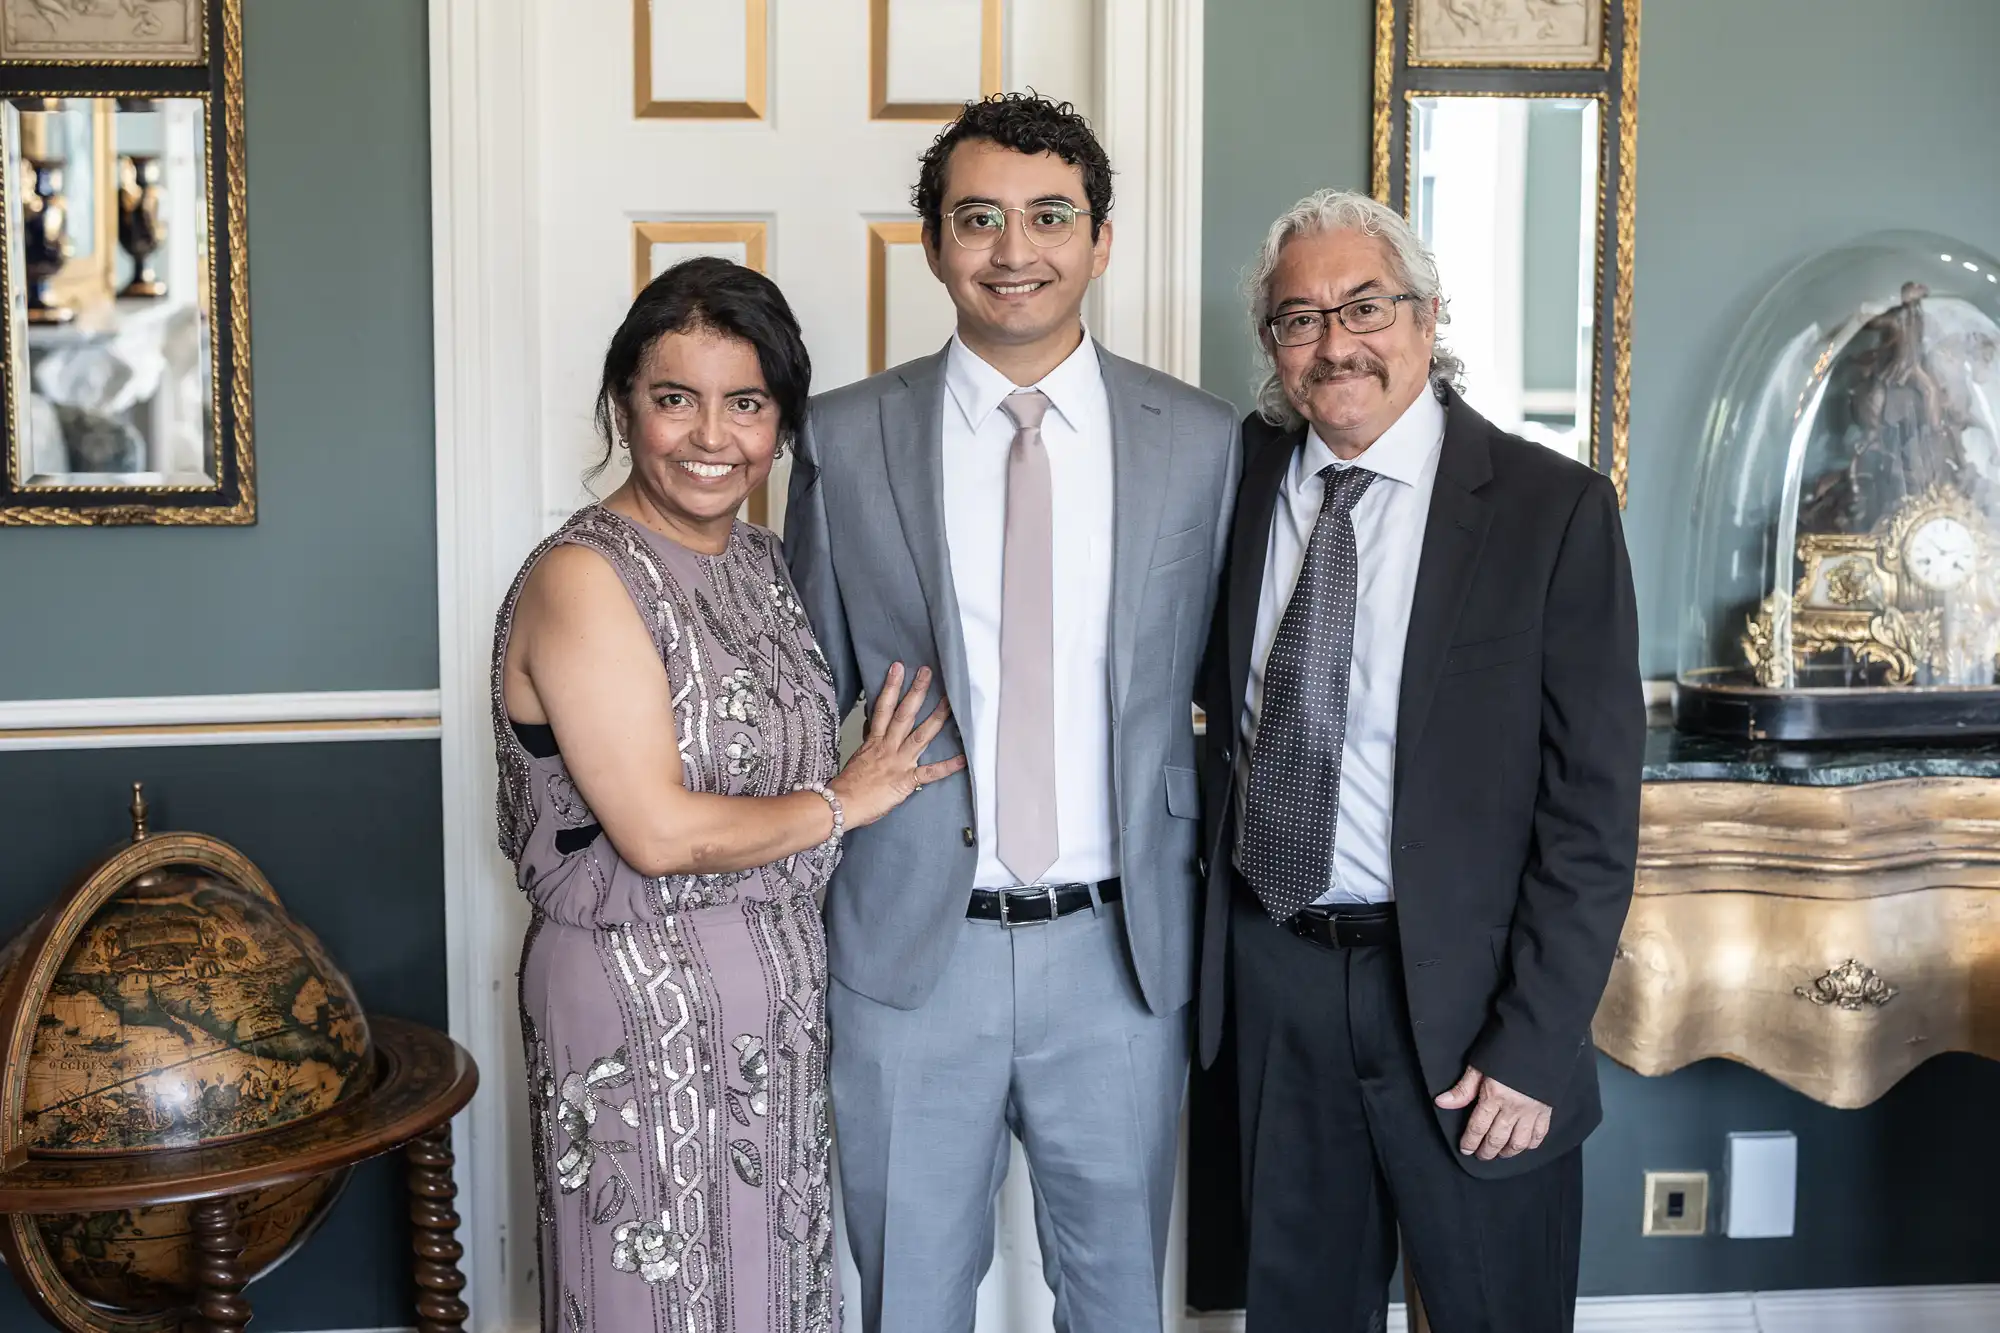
{"x":423,"y":1079}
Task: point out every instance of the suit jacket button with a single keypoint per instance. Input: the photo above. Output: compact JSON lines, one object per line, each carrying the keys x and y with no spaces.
{"x":1201,"y":866}
{"x":971,"y":838}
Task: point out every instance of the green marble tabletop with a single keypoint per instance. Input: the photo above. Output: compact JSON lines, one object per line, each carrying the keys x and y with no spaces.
{"x":1674,"y":756}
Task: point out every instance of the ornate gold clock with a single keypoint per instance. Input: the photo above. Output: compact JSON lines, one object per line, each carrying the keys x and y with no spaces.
{"x":1844,"y":579}
{"x":1894,"y":607}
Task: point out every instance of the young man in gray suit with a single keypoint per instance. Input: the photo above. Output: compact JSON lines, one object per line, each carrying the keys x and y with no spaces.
{"x":1041,"y":524}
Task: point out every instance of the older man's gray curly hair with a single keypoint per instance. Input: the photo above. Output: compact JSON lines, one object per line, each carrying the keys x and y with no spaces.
{"x":1414,"y":271}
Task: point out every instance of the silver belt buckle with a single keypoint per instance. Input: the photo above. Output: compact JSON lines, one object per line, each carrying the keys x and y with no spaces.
{"x":1006,"y":895}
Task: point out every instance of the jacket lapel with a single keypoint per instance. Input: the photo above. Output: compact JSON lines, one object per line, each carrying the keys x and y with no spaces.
{"x":1141,"y":449}
{"x":913,"y":446}
{"x":1454,"y":534}
{"x":1268,"y":452}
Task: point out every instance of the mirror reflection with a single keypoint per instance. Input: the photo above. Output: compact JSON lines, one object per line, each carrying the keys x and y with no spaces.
{"x":1504,"y":190}
{"x":108,"y":255}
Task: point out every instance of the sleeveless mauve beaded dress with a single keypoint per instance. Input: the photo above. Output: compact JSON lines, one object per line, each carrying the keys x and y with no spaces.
{"x":675,"y":1026}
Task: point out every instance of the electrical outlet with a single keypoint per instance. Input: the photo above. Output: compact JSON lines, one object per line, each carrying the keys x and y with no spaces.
{"x":1676,"y":1203}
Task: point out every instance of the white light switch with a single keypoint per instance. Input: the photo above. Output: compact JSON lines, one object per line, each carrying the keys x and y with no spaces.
{"x":1763,"y":1185}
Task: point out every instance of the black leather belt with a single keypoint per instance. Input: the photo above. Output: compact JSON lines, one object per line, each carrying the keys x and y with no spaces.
{"x":1346,"y":927}
{"x":1036,"y":904}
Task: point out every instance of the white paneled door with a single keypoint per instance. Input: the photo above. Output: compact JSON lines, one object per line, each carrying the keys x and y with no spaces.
{"x":781,"y":133}
{"x":581,"y":146}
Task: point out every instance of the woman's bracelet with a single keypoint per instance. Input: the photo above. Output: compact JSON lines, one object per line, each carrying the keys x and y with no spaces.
{"x":839,"y":816}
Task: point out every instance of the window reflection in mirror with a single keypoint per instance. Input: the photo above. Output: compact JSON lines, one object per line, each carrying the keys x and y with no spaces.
{"x":108,"y":254}
{"x":1504,"y":191}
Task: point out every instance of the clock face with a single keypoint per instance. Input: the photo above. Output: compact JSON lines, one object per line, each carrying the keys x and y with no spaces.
{"x":1940,"y":554}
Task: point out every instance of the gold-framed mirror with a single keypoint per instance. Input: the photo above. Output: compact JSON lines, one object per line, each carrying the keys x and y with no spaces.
{"x":1505,"y":131}
{"x":124,"y":269}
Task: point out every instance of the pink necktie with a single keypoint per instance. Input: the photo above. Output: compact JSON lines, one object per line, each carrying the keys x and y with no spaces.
{"x":1025,"y":783}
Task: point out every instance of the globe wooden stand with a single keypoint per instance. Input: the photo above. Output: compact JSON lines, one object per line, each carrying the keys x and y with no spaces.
{"x":423,"y":1078}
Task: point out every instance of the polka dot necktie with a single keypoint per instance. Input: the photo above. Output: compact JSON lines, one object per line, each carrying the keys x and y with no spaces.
{"x":1293,"y":808}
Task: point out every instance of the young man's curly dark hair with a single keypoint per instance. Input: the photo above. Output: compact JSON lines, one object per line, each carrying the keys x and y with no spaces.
{"x":1027,"y":123}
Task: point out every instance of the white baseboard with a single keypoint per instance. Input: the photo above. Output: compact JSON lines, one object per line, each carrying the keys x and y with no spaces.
{"x":218,"y":719}
{"x":1962,"y":1309}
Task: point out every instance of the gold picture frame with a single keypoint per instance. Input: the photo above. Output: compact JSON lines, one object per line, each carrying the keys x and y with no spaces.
{"x":992,"y":73}
{"x":73,"y":32}
{"x":229,"y":498}
{"x":1613,"y":80}
{"x":756,"y":72}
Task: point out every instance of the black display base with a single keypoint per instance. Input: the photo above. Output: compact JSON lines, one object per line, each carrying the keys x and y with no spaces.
{"x":1731,"y":704}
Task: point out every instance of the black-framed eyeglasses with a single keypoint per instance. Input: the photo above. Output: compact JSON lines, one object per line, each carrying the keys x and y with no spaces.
{"x":1367,"y":314}
{"x":1049,"y":223}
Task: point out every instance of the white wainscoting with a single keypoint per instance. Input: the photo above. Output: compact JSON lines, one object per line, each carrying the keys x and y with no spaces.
{"x":218,"y":719}
{"x":1966,"y":1309}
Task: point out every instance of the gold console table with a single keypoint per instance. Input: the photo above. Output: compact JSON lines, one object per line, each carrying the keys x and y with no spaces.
{"x":1829,"y":916}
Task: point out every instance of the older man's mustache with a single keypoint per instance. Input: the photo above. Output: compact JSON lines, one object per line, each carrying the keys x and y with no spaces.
{"x":1337,"y":367}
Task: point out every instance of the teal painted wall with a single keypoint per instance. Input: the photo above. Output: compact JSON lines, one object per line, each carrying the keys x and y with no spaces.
{"x":1768,"y":132}
{"x":335,"y":587}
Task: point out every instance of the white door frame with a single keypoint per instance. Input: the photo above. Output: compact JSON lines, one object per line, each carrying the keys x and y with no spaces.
{"x":485,"y":226}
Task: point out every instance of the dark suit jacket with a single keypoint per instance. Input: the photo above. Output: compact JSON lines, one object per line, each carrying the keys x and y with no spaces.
{"x":1519,"y":739}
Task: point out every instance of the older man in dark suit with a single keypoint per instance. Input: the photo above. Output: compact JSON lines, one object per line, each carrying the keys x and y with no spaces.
{"x":1422,"y":781}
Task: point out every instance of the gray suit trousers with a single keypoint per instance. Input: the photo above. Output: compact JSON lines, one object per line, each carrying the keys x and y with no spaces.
{"x":1038,"y":1031}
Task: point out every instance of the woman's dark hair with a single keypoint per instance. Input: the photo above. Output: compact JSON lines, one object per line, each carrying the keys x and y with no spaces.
{"x":1027,"y":123}
{"x":721,"y":297}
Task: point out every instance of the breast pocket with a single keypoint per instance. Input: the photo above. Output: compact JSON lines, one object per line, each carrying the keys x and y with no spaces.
{"x":1178,"y":546}
{"x":1183,"y":793}
{"x":1480,"y":654}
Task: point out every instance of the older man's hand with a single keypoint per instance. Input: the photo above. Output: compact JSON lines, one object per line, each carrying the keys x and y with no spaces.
{"x":1505,"y":1123}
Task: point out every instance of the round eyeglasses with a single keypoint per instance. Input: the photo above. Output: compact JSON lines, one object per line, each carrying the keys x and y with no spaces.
{"x":1048,"y":223}
{"x":1369,"y":314}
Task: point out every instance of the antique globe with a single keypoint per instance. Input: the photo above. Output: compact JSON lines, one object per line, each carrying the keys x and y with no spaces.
{"x":1843,"y":579}
{"x":175,"y":1006}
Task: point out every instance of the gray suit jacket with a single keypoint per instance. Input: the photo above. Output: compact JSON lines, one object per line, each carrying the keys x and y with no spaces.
{"x":865,"y":538}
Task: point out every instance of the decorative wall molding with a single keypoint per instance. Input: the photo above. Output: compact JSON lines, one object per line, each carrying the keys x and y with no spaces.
{"x":218,"y":719}
{"x":1964,"y":1309}
{"x":485,"y":163}
{"x":1151,"y":124}
{"x":992,"y":72}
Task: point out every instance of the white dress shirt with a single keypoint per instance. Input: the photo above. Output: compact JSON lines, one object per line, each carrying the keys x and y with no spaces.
{"x":1389,"y":525}
{"x":1077,"y":434}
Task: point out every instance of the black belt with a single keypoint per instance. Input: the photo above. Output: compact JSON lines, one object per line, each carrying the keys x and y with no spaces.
{"x":1035,"y":904}
{"x":1346,"y":927}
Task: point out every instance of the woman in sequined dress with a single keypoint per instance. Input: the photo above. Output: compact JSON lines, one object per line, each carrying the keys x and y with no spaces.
{"x":666,"y":733}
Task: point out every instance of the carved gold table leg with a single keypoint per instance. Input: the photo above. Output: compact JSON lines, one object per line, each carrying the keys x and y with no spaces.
{"x":219,"y":1275}
{"x":434,"y":1233}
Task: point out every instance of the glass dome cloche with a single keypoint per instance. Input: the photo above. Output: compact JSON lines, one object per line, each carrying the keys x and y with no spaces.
{"x":1844,"y":577}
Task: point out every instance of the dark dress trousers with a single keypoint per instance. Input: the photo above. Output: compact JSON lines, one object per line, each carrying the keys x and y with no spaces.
{"x":1519,"y":735}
